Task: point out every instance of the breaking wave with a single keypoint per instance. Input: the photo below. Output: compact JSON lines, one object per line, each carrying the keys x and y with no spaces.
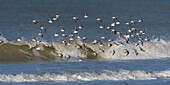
{"x":29,"y":51}
{"x":86,"y":76}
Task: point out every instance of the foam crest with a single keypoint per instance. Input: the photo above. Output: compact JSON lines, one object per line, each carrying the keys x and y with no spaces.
{"x":86,"y":76}
{"x":3,"y":39}
{"x":77,"y":51}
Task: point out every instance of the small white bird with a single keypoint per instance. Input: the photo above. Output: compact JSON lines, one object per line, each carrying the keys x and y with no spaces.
{"x":140,"y":20}
{"x":34,"y":40}
{"x":101,"y":26}
{"x":129,"y":30}
{"x":86,"y":16}
{"x":112,"y":24}
{"x":142,"y":32}
{"x":103,"y":37}
{"x":54,"y":19}
{"x":117,"y":23}
{"x":101,"y":44}
{"x":109,"y":40}
{"x":94,"y":53}
{"x":56,"y":34}
{"x":114,"y":18}
{"x":94,"y":42}
{"x":108,"y":27}
{"x":62,"y":29}
{"x":146,"y":38}
{"x":50,"y":21}
{"x":35,"y":21}
{"x":78,"y":37}
{"x":64,"y":35}
{"x":132,"y":36}
{"x":40,"y":34}
{"x":75,"y":18}
{"x":38,"y":48}
{"x":98,"y":19}
{"x":113,"y":30}
{"x":127,"y":23}
{"x":80,"y":26}
{"x":60,"y":55}
{"x":71,"y":37}
{"x":132,"y":22}
{"x":75,"y":31}
{"x":126,"y":36}
{"x":137,"y":34}
{"x":80,"y":60}
{"x":84,"y":38}
{"x":18,"y":39}
{"x":133,"y":29}
{"x":57,"y":17}
{"x":42,"y":28}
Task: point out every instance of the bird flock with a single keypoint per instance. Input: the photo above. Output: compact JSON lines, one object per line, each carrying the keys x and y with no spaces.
{"x":132,"y":33}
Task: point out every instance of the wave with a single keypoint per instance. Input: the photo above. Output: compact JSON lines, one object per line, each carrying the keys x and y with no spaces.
{"x":86,"y":76}
{"x":25,"y":51}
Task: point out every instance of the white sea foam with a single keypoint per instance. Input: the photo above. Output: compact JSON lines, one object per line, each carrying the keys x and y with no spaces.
{"x":154,"y":49}
{"x":86,"y":76}
{"x":3,"y":39}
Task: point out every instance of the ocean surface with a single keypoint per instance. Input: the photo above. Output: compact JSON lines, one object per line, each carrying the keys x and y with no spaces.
{"x":30,"y":54}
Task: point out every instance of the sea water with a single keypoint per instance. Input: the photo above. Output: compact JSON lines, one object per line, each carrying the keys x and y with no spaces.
{"x":24,"y":66}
